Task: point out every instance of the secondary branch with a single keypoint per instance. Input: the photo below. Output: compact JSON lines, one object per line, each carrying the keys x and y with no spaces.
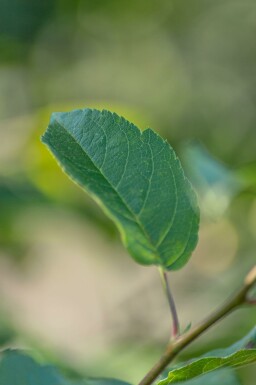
{"x":175,"y":347}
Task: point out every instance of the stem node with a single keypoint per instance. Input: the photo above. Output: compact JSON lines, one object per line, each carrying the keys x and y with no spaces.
{"x":182,"y":341}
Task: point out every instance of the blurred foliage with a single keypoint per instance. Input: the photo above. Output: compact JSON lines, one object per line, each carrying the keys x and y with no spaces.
{"x":216,"y":184}
{"x":20,"y":21}
{"x":187,"y":69}
{"x":16,"y":368}
{"x":7,"y":331}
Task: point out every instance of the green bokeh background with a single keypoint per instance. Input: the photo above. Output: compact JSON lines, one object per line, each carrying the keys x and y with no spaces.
{"x":68,"y":290}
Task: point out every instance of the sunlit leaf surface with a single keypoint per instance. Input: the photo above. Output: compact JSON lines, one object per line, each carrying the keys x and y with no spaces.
{"x":136,"y":178}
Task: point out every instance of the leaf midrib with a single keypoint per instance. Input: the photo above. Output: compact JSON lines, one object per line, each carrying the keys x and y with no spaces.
{"x":135,"y":217}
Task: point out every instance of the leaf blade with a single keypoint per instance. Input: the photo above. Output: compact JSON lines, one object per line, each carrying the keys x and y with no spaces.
{"x":135,"y":177}
{"x":239,"y":354}
{"x":223,"y":377}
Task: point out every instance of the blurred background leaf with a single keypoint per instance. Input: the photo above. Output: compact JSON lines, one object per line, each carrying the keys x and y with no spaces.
{"x":16,"y":368}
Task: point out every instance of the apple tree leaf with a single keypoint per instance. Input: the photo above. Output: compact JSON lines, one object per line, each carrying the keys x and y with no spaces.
{"x":135,"y":177}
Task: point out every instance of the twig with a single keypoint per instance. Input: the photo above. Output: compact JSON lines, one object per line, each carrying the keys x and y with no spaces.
{"x":176,"y":346}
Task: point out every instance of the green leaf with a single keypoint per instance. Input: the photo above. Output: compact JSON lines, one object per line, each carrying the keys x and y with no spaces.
{"x":135,"y":177}
{"x":218,"y":377}
{"x":18,"y":369}
{"x":239,"y":354}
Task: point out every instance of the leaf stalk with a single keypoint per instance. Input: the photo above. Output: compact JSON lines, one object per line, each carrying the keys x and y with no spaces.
{"x":175,"y":320}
